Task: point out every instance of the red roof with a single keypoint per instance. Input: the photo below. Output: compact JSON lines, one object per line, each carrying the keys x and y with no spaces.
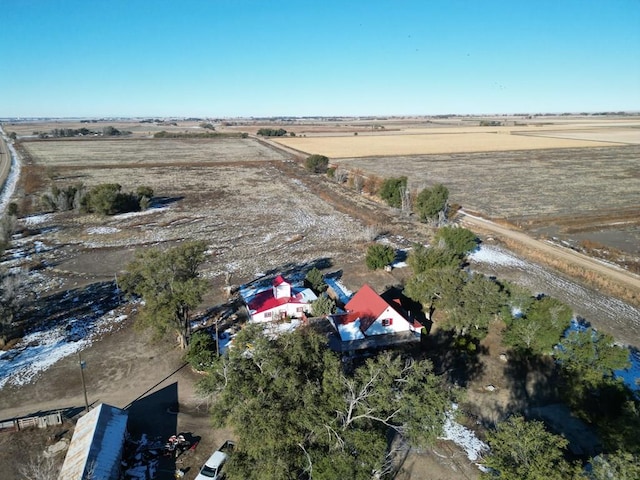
{"x":367,"y":303}
{"x":279,"y":280}
{"x":345,"y":318}
{"x":367,"y":306}
{"x":264,"y":301}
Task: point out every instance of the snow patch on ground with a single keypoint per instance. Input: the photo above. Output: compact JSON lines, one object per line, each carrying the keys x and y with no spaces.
{"x":495,"y":256}
{"x":102,"y":230}
{"x":34,"y":220}
{"x":463,"y":437}
{"x":124,"y":216}
{"x":14,"y":174}
{"x":39,"y":350}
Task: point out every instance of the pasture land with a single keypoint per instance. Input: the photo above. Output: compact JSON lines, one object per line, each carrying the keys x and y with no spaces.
{"x":586,"y":194}
{"x":146,"y":152}
{"x":228,"y":192}
{"x":523,"y":183}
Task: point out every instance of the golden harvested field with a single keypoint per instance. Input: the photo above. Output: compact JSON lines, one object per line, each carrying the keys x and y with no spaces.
{"x":432,"y":143}
{"x":65,"y":153}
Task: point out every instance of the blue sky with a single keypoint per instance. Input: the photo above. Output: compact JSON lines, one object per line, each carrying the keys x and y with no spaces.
{"x":222,"y":58}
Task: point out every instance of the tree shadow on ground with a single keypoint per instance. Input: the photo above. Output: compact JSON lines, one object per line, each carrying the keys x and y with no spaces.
{"x":77,"y":308}
{"x":291,"y":271}
{"x":459,"y":367}
{"x":159,"y":202}
{"x":532,"y":380}
{"x":95,"y":297}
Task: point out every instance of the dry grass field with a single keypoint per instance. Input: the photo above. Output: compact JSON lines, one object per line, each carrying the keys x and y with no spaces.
{"x":146,"y":152}
{"x":629,"y":135}
{"x":434,"y":143}
{"x":226,"y":192}
{"x":520,"y":184}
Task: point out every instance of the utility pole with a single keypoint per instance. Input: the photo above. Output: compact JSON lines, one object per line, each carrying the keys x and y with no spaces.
{"x":217,"y":339}
{"x":84,"y":385}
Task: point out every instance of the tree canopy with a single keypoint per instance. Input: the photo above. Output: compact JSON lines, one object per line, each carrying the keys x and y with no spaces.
{"x":392,"y":190}
{"x":457,"y":239}
{"x":591,"y":355}
{"x":436,"y":287}
{"x":538,"y":328}
{"x":317,"y":163}
{"x":431,"y":201}
{"x":169,"y":283}
{"x":522,"y":450}
{"x":315,"y":280}
{"x":379,"y":256}
{"x":297,"y":414}
{"x":323,"y":305}
{"x":422,"y":258}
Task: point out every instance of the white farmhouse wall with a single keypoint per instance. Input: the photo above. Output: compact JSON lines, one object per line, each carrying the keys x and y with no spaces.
{"x":398,"y":323}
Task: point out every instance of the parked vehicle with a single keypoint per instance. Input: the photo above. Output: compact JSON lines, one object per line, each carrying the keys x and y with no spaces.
{"x":213,"y":468}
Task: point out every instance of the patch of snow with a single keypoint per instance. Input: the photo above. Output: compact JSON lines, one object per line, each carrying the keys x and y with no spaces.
{"x":463,"y":437}
{"x":123,"y":216}
{"x":102,"y":230}
{"x":399,"y":264}
{"x":275,"y":329}
{"x":350,"y":331}
{"x":39,"y":350}
{"x":495,"y":256}
{"x":37,"y":219}
{"x":14,"y":174}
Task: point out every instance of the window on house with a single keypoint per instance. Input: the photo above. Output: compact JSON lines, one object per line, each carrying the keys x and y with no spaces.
{"x":268,"y":314}
{"x":386,"y":322}
{"x":299,"y":309}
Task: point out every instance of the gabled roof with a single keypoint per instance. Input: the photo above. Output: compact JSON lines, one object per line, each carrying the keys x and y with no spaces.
{"x":279,"y":280}
{"x":265,"y":300}
{"x":367,"y":303}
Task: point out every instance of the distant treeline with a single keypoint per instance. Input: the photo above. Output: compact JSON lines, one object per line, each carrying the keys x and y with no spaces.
{"x":108,"y":131}
{"x":164,"y":134}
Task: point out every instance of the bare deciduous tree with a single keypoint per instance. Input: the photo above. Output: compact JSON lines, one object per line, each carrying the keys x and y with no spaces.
{"x":41,"y":467}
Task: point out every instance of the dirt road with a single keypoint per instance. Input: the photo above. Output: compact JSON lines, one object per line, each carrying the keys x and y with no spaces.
{"x":611,"y":272}
{"x":5,"y":160}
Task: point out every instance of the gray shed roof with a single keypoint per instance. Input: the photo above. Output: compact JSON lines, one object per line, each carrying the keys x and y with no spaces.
{"x":96,"y":445}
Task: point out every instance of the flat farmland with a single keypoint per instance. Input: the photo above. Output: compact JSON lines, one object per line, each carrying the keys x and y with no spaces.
{"x":76,"y":153}
{"x":137,"y":129}
{"x":586,"y":194}
{"x":228,"y":192}
{"x":340,"y":147}
{"x":523,"y":183}
{"x":629,"y":135}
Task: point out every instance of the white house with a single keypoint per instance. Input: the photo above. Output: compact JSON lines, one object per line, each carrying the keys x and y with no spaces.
{"x":280,"y":301}
{"x":368,"y":314}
